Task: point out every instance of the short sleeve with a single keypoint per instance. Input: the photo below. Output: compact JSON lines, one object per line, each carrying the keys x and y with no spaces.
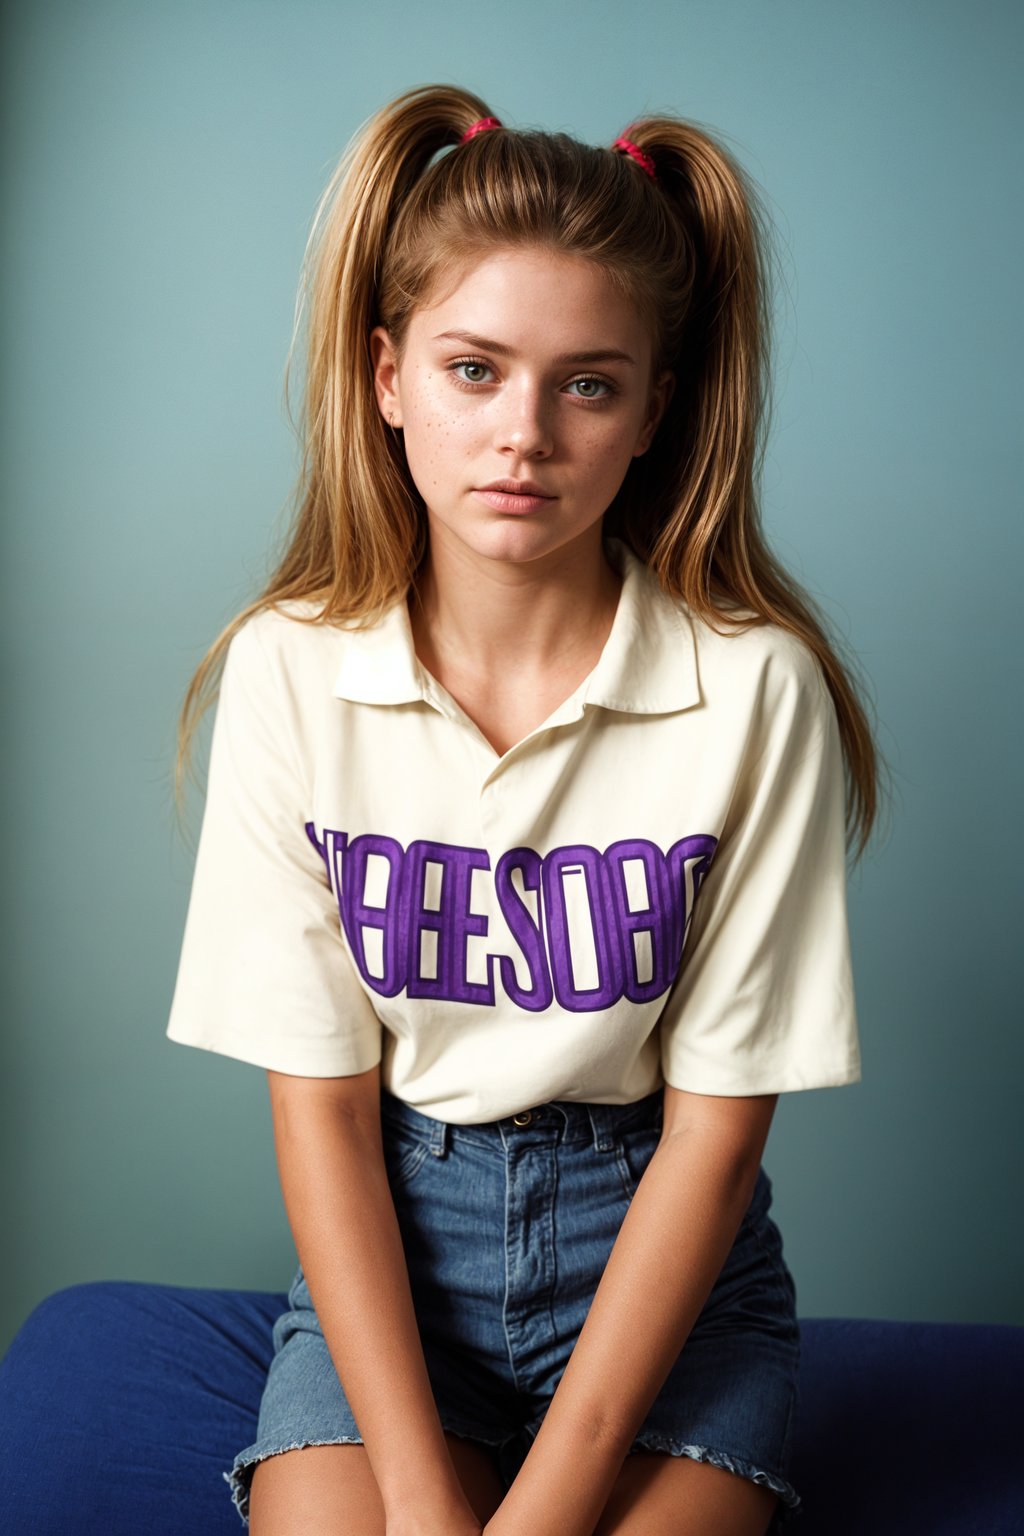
{"x":264,"y":974}
{"x":764,"y":999}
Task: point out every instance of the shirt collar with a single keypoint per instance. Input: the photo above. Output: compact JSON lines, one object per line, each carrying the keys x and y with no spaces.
{"x":648,"y":664}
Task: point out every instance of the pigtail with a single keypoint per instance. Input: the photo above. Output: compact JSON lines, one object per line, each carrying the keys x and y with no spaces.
{"x":691,"y":508}
{"x":356,"y":529}
{"x":707,"y":453}
{"x":354,"y":465}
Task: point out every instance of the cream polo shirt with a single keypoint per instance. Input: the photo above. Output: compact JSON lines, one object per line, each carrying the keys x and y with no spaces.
{"x":648,"y":887}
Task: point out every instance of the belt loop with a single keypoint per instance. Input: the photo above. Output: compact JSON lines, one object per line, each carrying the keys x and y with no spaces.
{"x":440,"y":1138}
{"x":604,"y":1138}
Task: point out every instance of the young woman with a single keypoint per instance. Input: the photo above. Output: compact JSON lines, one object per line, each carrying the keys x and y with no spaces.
{"x":522,"y":867}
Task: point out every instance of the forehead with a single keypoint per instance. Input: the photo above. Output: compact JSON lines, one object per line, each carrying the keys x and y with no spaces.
{"x":533,"y":299}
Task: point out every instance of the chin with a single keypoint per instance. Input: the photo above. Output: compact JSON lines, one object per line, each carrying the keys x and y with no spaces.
{"x":520,"y":545}
{"x":510,"y":539}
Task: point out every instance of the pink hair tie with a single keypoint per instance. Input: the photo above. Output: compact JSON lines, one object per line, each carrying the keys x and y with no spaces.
{"x":627,"y":147}
{"x":480,"y":126}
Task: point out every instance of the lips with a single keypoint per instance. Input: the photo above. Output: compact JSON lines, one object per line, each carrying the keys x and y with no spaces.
{"x":520,"y":497}
{"x":517,"y":488}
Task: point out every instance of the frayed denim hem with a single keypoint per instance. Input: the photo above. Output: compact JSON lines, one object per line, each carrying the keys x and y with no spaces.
{"x":790,"y":1502}
{"x":239,"y":1479}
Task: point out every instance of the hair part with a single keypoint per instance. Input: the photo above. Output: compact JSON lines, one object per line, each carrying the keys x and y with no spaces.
{"x":405,"y":210}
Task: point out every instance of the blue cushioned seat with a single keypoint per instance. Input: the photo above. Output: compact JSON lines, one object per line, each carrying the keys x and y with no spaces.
{"x":123,"y":1403}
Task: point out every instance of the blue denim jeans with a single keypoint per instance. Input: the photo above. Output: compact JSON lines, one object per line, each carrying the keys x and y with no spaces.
{"x":507,"y":1226}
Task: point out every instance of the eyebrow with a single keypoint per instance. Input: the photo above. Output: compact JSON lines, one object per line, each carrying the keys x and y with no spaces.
{"x":600,"y":355}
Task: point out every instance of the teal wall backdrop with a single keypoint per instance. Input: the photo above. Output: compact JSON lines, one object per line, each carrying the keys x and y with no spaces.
{"x":162,"y":161}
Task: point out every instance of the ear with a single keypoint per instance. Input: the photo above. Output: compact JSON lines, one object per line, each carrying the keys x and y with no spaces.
{"x":385,"y":375}
{"x":661,"y":393}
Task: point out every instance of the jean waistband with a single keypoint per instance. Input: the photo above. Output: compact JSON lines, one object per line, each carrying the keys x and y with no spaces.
{"x":558,"y":1120}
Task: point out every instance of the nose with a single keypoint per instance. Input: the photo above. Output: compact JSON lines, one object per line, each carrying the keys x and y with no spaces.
{"x":524,"y":426}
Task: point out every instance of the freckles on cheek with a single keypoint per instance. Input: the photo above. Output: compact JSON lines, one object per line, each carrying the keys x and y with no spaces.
{"x":431,"y":439}
{"x":439,"y":436}
{"x":608,"y":451}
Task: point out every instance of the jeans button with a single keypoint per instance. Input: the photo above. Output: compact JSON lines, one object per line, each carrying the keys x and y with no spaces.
{"x":523,"y":1118}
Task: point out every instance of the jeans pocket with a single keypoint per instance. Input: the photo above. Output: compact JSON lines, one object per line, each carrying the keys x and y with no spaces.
{"x":633,"y":1151}
{"x":298,"y":1317}
{"x":298,"y":1293}
{"x":405,"y":1151}
{"x":769,"y":1242}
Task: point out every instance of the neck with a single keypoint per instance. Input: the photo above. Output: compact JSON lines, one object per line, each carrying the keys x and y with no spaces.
{"x":486,"y":618}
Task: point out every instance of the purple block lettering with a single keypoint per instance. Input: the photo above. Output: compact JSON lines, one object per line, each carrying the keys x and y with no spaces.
{"x":609,"y":924}
{"x":573,"y":878}
{"x":524,"y":930}
{"x":357,"y":915}
{"x":688,"y":862}
{"x":654,"y":919}
{"x":451,"y":921}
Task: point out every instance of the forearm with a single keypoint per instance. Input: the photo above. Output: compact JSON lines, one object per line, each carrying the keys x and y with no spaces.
{"x":670,"y":1249}
{"x":342,"y":1216}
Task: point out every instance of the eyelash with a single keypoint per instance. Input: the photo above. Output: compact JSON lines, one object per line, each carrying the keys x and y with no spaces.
{"x":478,"y":362}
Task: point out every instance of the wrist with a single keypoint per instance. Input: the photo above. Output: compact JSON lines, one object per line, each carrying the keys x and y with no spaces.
{"x":450,"y":1519}
{"x":541,"y":1500}
{"x":429,"y":1499}
{"x":434,"y":1523}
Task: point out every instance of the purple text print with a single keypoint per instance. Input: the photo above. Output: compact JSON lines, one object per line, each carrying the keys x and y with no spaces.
{"x":590,"y":927}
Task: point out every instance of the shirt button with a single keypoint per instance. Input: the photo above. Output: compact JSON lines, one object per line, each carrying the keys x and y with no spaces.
{"x":523,"y":1118}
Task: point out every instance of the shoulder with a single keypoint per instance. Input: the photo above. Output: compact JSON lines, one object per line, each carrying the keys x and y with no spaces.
{"x":293,"y":628}
{"x":742,"y":660}
{"x":278,"y":678}
{"x":289,"y":645}
{"x":278,"y":686}
{"x":762,"y":688}
{"x":760,"y":679}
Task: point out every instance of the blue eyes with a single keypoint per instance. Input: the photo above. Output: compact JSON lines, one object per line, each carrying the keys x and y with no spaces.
{"x":590,"y":384}
{"x":472,"y":369}
{"x":470,"y":372}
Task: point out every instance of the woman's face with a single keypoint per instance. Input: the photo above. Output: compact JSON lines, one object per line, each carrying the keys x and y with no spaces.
{"x":534,"y":369}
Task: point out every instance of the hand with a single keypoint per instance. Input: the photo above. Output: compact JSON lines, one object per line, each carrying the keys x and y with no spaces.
{"x":434,"y":1523}
{"x":425,"y":1526}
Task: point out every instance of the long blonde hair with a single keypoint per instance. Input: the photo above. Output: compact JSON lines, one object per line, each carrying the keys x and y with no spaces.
{"x":690,"y":249}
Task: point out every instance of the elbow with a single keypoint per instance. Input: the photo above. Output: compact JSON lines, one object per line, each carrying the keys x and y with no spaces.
{"x":733,"y":1163}
{"x":733,"y":1128}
